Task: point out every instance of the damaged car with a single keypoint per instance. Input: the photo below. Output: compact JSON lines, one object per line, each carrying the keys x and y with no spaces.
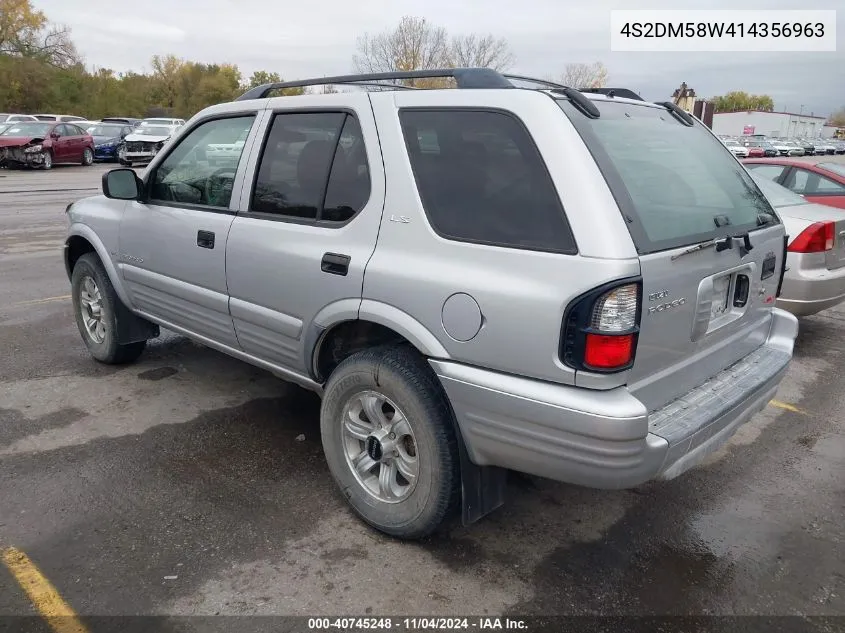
{"x":144,"y":143}
{"x":43,"y":144}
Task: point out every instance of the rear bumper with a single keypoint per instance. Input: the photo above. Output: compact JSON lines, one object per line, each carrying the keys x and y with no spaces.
{"x":809,"y":288}
{"x":607,"y":439}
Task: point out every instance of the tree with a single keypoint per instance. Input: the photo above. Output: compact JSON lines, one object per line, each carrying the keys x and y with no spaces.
{"x":480,"y":51}
{"x":837,"y":119}
{"x":417,"y":44}
{"x":25,"y":32}
{"x":738,"y":100}
{"x":578,"y":75}
{"x":261,"y":77}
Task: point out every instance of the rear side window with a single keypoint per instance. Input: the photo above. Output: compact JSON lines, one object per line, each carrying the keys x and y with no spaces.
{"x":314,"y":167}
{"x":772,"y":172}
{"x":481,"y":179}
{"x":676,"y":185}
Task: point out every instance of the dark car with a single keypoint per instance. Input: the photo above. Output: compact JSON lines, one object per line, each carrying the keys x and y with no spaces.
{"x":809,"y":148}
{"x":43,"y":144}
{"x":133,"y":123}
{"x":107,"y":138}
{"x":770,"y":151}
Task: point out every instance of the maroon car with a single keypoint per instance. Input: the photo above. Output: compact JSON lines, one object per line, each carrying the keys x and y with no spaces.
{"x":43,"y":144}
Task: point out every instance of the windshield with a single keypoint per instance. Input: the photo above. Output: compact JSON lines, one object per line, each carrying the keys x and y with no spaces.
{"x":150,"y":130}
{"x":777,"y":194}
{"x":105,"y":130}
{"x":836,"y":168}
{"x":28,"y":128}
{"x":675,"y":185}
{"x":732,"y":144}
{"x":156,"y":122}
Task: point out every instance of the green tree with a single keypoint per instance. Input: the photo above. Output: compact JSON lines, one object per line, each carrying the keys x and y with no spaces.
{"x":738,"y":100}
{"x":261,"y":77}
{"x":837,"y":118}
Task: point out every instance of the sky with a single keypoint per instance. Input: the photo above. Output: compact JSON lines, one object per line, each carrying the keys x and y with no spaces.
{"x":317,"y":38}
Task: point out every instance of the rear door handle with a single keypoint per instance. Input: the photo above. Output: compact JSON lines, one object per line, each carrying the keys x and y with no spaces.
{"x":335,"y":264}
{"x":205,"y":239}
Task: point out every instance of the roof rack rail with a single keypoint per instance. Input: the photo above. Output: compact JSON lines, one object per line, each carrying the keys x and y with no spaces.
{"x":464,"y":77}
{"x":534,"y":80}
{"x":682,"y":115}
{"x":615,"y":92}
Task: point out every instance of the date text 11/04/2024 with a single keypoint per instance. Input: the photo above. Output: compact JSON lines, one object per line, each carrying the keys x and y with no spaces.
{"x":416,"y":624}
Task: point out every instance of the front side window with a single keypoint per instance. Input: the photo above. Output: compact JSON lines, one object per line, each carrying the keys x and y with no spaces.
{"x":481,"y":179}
{"x":185,"y":176}
{"x":313,"y":167}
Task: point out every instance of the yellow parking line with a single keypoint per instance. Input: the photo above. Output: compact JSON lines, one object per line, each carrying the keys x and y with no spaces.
{"x":44,"y":597}
{"x":786,"y":407}
{"x":47,"y":300}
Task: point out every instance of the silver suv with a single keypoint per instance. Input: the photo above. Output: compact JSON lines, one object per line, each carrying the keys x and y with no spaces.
{"x":507,"y":275}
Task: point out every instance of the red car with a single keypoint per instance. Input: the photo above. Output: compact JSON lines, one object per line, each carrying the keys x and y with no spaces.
{"x":43,"y":144}
{"x":822,"y":182}
{"x":755,"y":152}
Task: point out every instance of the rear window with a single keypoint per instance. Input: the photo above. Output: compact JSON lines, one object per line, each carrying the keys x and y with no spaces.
{"x":676,"y":185}
{"x":481,"y":179}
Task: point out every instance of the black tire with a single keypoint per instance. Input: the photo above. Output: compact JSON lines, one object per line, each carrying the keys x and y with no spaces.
{"x":108,"y":350}
{"x":87,"y":157}
{"x":401,"y":374}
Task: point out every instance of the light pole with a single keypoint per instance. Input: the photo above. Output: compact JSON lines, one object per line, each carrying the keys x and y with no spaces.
{"x":801,"y":111}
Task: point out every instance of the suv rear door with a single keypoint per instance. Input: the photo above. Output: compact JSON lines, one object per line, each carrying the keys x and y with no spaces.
{"x":307,"y":224}
{"x":710,"y":245}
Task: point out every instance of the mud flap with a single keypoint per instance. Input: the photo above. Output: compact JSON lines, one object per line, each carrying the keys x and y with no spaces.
{"x":482,"y":487}
{"x":130,"y":327}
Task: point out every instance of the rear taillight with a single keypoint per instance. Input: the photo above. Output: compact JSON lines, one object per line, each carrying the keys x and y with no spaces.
{"x":600,"y":328}
{"x":816,"y":238}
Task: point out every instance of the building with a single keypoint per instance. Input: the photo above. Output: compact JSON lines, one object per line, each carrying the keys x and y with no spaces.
{"x":829,"y":131}
{"x":685,"y":98}
{"x":776,"y":124}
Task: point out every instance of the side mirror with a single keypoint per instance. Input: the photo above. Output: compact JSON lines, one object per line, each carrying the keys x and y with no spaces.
{"x":54,"y":135}
{"x":121,"y":184}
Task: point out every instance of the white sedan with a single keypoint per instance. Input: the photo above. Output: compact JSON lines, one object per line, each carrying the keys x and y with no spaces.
{"x":738,"y":150}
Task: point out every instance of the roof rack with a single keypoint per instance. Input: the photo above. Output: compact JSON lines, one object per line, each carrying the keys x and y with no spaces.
{"x":464,"y":77}
{"x":614,"y":92}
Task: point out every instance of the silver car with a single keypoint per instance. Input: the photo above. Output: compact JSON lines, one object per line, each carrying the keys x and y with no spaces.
{"x":576,"y":286}
{"x":815,"y":263}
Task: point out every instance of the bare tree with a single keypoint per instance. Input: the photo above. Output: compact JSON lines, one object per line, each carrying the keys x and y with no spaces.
{"x":480,"y":51}
{"x":415,"y":44}
{"x":25,"y":32}
{"x":584,"y":75}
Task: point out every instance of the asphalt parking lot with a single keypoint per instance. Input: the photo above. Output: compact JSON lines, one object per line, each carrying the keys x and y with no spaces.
{"x":182,"y":485}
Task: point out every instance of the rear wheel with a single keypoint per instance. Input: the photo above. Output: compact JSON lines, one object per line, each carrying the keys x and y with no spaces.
{"x":94,"y":306}
{"x":87,"y":157}
{"x":390,"y":441}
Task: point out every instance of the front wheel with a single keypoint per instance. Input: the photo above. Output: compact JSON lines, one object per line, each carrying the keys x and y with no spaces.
{"x":389,"y":438}
{"x":87,"y":157}
{"x":94,"y":306}
{"x":47,"y":160}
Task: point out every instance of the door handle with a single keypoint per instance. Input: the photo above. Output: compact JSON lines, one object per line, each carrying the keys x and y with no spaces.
{"x":335,"y":264}
{"x":205,"y":239}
